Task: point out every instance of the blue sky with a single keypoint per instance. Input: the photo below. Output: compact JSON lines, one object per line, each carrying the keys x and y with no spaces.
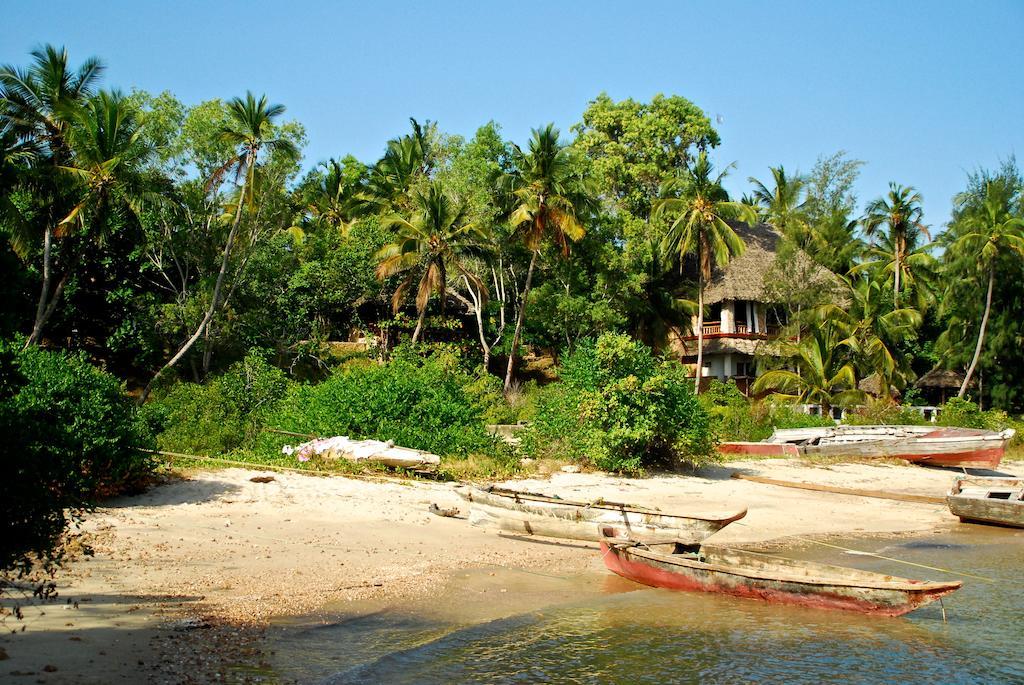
{"x":922,"y":91}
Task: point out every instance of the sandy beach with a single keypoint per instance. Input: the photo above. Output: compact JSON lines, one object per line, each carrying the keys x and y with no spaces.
{"x":187,"y":575}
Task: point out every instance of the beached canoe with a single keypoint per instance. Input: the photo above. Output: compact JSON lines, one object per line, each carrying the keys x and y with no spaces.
{"x":996,"y":500}
{"x":773,"y":579}
{"x":937,"y":446}
{"x":535,"y":514}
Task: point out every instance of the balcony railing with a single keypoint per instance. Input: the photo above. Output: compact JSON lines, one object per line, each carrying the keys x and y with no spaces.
{"x":712,"y":328}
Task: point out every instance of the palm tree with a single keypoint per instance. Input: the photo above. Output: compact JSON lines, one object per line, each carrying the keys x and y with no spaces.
{"x":869,"y":331}
{"x":407,"y":160}
{"x":105,"y":170}
{"x":656,"y":311}
{"x":250,"y":130}
{"x":897,"y":217}
{"x":994,"y":230}
{"x":335,"y":200}
{"x":701,"y":209}
{"x":16,"y":156}
{"x":825,"y":377}
{"x":783,"y":204}
{"x":837,"y":246}
{"x":547,"y":199}
{"x":39,"y":104}
{"x":433,"y":243}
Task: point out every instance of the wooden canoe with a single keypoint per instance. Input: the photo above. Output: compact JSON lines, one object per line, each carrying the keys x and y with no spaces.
{"x":769,"y":578}
{"x":534,"y":514}
{"x":960,"y":447}
{"x":998,"y":501}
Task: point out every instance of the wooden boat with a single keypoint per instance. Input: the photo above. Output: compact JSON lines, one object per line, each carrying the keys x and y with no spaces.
{"x":535,"y":514}
{"x":961,"y":447}
{"x":988,"y":500}
{"x":773,"y":579}
{"x":343,"y":447}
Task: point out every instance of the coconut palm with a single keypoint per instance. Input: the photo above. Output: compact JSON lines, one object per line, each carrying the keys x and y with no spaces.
{"x":547,"y":198}
{"x":783,"y":204}
{"x":897,"y":219}
{"x":699,"y":208}
{"x":871,"y":330}
{"x":432,"y":244}
{"x":335,"y":200}
{"x":105,"y":171}
{"x":16,"y":156}
{"x":39,"y":104}
{"x":993,"y":229}
{"x":406,"y":160}
{"x":657,"y":311}
{"x":825,"y":375}
{"x":250,"y":131}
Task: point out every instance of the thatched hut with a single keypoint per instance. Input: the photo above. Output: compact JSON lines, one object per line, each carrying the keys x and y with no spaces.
{"x":741,"y":314}
{"x":872,"y":385}
{"x":938,"y":385}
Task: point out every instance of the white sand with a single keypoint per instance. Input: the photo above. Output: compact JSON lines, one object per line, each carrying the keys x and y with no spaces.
{"x":223,"y":549}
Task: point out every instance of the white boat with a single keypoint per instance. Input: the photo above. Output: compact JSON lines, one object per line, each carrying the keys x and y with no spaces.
{"x":342,"y":447}
{"x":535,"y":514}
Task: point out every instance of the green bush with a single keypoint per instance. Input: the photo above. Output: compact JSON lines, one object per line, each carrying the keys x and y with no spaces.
{"x":70,"y":436}
{"x":966,"y":414}
{"x":737,"y":418}
{"x":417,"y":402}
{"x":621,"y":409}
{"x":225,"y":414}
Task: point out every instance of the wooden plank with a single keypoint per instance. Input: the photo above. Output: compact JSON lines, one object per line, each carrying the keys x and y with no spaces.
{"x":877,"y":494}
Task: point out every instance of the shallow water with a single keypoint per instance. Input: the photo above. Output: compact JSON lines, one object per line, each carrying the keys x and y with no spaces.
{"x":505,"y":626}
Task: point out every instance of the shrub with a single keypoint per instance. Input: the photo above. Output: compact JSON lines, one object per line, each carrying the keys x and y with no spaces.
{"x":737,"y":418}
{"x":966,"y":414}
{"x":417,"y":402}
{"x":621,"y":409}
{"x":881,"y":412}
{"x":70,"y":436}
{"x":225,"y":414}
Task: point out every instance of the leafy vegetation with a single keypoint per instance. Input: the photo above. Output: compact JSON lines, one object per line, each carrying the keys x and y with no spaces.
{"x":621,"y":409}
{"x":71,"y":436}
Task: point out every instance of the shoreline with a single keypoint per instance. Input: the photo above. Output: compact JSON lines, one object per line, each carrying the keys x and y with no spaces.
{"x":187,"y":577}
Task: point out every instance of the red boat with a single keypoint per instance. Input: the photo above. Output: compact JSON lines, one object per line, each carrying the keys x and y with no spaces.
{"x":773,"y":579}
{"x":960,"y":447}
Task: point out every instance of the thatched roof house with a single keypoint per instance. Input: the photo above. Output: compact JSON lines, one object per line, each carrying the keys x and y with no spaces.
{"x":744,"y":277}
{"x":938,"y":385}
{"x":872,"y":385}
{"x":737,"y":327}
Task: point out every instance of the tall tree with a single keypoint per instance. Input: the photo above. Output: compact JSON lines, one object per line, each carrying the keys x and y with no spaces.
{"x":993,"y":227}
{"x":897,"y":218}
{"x":548,"y":198}
{"x":39,"y":104}
{"x":431,"y":245}
{"x":635,"y":145}
{"x":783,"y":204}
{"x":250,"y":130}
{"x":106,"y":170}
{"x":700,"y":209}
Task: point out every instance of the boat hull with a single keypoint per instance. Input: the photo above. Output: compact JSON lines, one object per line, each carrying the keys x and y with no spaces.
{"x":662,"y":571}
{"x":993,"y":501}
{"x":917,"y":444}
{"x":530,"y":514}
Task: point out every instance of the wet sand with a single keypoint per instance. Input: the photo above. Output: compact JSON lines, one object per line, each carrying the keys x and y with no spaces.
{"x":187,"y":576}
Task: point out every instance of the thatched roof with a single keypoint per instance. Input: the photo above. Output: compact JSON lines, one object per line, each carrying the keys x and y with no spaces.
{"x":743,"y":278}
{"x":940,"y":378}
{"x":872,"y":385}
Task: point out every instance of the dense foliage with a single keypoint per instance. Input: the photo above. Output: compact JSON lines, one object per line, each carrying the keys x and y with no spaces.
{"x":70,"y":436}
{"x":621,"y":409}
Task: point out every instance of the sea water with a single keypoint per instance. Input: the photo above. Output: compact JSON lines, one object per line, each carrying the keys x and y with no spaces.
{"x":500,"y":625}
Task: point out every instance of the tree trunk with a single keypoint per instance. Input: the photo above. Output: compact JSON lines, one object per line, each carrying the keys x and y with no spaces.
{"x":700,"y":337}
{"x":215,"y":299}
{"x":478,"y":312}
{"x":419,"y":325}
{"x":896,"y":275}
{"x":37,"y":326}
{"x":981,"y":332}
{"x":519,"y":323}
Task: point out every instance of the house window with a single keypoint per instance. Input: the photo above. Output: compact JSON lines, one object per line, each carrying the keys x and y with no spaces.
{"x":745,"y":369}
